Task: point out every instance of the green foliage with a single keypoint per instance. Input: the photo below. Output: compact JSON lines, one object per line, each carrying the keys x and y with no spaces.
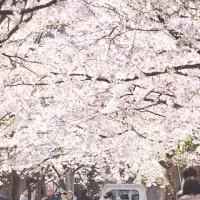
{"x":169,"y":161}
{"x":4,"y":122}
{"x":159,"y":181}
{"x":187,"y":145}
{"x":144,"y":179}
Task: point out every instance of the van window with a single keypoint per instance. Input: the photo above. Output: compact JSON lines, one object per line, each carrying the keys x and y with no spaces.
{"x":125,"y":194}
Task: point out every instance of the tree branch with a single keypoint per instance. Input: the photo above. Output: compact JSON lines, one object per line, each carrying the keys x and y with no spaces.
{"x":90,"y":77}
{"x":140,"y":135}
{"x":156,"y":73}
{"x":29,"y":10}
{"x":143,"y":30}
{"x":22,"y":13}
{"x":154,"y":113}
{"x":151,"y":74}
{"x":58,"y":174}
{"x":20,"y":58}
{"x":108,"y":35}
{"x":75,"y":170}
{"x":7,"y":114}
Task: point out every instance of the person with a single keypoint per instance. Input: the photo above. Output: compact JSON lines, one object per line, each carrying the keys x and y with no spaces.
{"x":58,"y":194}
{"x":98,"y":195}
{"x":51,"y":195}
{"x":191,"y":189}
{"x":64,"y":196}
{"x":70,"y":196}
{"x":24,"y":195}
{"x":109,"y":195}
{"x":187,"y":172}
{"x":3,"y":198}
{"x":84,"y":195}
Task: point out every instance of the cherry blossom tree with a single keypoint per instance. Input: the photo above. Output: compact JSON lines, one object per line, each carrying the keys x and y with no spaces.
{"x":113,"y":84}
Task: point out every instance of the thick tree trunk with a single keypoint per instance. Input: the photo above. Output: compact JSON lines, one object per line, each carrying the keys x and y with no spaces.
{"x":6,"y":188}
{"x":69,"y":181}
{"x":40,"y":190}
{"x":15,"y":194}
{"x":72,"y":182}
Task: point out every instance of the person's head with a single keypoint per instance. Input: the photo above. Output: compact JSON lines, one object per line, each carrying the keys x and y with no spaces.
{"x":189,"y":172}
{"x":109,"y":195}
{"x":70,"y":195}
{"x":50,"y":192}
{"x":191,"y":186}
{"x":25,"y":192}
{"x":64,"y":195}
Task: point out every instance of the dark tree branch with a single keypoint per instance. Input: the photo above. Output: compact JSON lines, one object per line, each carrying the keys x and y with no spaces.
{"x":14,"y":29}
{"x":176,"y":35}
{"x":154,"y":113}
{"x":180,"y":73}
{"x":2,"y":18}
{"x":90,"y":77}
{"x":20,"y":58}
{"x":76,"y":74}
{"x":103,"y":80}
{"x":28,"y":18}
{"x":156,"y":73}
{"x":139,"y":134}
{"x":36,"y":8}
{"x":45,"y":171}
{"x":79,"y":167}
{"x":122,"y":132}
{"x":164,"y":93}
{"x":175,"y":70}
{"x":155,"y":103}
{"x":6,"y":12}
{"x":26,"y":84}
{"x":113,"y":9}
{"x":53,"y":157}
{"x":143,"y":30}
{"x":25,"y":11}
{"x":108,"y":35}
{"x":2,"y":2}
{"x":103,"y":136}
{"x":7,"y":114}
{"x":131,"y":90}
{"x":161,"y":19}
{"x":29,"y":10}
{"x":58,"y":174}
{"x":125,"y":95}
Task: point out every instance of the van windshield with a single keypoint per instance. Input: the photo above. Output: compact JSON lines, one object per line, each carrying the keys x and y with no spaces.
{"x":125,"y":194}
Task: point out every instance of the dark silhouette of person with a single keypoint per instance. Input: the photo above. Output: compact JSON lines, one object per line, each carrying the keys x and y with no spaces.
{"x":187,"y":172}
{"x":84,"y":196}
{"x":191,"y":189}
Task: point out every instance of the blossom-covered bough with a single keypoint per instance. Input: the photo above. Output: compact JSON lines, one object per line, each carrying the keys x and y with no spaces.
{"x":106,"y":83}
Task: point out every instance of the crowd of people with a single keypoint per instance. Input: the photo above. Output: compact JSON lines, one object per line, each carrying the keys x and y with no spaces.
{"x":190,"y":191}
{"x":51,"y":195}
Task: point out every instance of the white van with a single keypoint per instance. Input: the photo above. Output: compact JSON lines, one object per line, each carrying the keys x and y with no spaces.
{"x":125,"y":191}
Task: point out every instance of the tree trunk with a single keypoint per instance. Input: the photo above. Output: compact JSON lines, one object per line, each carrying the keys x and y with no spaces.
{"x":72,"y":182}
{"x":15,"y":193}
{"x":40,"y":190}
{"x":7,"y":185}
{"x":69,"y":181}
